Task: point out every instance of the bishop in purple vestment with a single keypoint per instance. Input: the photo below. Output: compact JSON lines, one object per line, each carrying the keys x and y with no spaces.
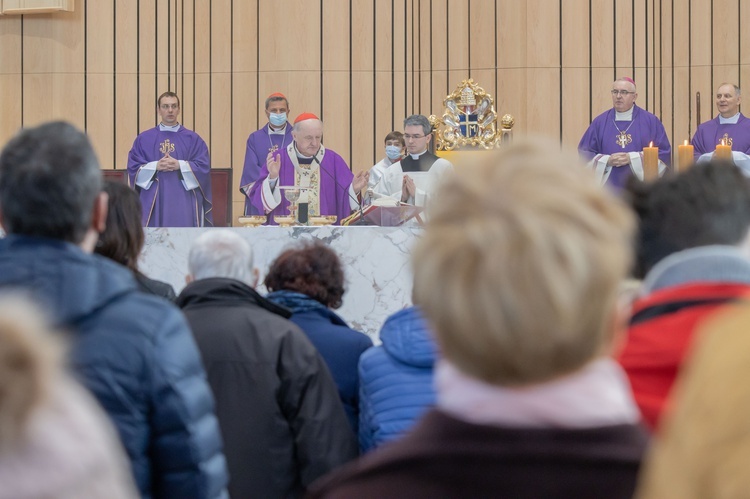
{"x":333,"y":188}
{"x":275,"y":135}
{"x":614,"y":142}
{"x":170,"y":169}
{"x":730,"y":126}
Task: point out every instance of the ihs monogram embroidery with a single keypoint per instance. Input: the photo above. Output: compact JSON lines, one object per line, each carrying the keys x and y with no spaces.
{"x":726,"y":140}
{"x":166,"y":147}
{"x":623,"y":138}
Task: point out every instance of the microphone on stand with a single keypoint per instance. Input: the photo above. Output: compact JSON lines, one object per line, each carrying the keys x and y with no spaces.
{"x":361,"y":220}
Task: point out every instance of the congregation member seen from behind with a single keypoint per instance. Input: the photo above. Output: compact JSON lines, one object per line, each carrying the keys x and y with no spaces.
{"x":396,"y":382}
{"x":123,"y":238}
{"x":55,"y":441}
{"x":692,"y":248}
{"x":133,"y":351}
{"x":702,"y":448}
{"x":309,"y":280}
{"x":517,"y":273}
{"x":277,"y":404}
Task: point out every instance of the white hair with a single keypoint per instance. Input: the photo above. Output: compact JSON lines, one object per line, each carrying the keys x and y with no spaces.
{"x":221,"y":253}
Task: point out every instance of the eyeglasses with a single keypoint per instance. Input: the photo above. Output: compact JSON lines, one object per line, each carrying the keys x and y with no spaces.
{"x":621,"y":92}
{"x":407,"y":137}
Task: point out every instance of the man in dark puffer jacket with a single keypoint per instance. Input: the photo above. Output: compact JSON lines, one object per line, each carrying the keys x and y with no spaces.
{"x":134,"y":352}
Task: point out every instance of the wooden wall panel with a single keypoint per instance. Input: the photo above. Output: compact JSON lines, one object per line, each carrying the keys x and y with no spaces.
{"x":482,"y":46}
{"x":362,"y":65}
{"x":383,"y":97}
{"x":512,"y":89}
{"x":100,"y":60}
{"x":221,"y":83}
{"x":11,"y":83}
{"x":125,"y":123}
{"x":362,"y":135}
{"x":244,"y":90}
{"x":438,"y":60}
{"x":575,"y":70}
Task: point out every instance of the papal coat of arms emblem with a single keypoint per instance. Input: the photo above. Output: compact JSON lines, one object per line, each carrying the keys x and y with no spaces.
{"x":470,"y":120}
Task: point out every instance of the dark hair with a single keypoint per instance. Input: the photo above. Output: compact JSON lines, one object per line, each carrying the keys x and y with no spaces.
{"x":276,"y":98}
{"x":123,"y":238}
{"x":167,"y":94}
{"x":419,"y":120}
{"x":49,"y":181}
{"x":707,"y":204}
{"x":313,"y":270}
{"x":394,"y":135}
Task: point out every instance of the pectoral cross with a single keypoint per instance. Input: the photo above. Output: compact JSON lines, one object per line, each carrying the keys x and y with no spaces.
{"x":623,"y":139}
{"x":273,"y":148}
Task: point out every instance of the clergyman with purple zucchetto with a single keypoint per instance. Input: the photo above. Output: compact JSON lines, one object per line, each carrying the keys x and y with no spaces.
{"x":613,"y":144}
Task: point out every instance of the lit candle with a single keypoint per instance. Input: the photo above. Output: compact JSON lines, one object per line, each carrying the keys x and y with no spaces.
{"x":685,"y":156}
{"x":723,"y":151}
{"x":650,"y":162}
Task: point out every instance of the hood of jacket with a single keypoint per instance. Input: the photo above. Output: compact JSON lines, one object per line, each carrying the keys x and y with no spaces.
{"x":69,"y":283}
{"x":213,"y":290}
{"x":406,"y":337}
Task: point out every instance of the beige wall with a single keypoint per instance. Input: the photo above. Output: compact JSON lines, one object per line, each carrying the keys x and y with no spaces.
{"x":363,"y":65}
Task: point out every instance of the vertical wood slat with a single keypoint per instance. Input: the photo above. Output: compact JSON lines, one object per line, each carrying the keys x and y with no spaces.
{"x":10,"y":77}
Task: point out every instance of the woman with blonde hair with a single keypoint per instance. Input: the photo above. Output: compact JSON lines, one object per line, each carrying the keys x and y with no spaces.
{"x":54,"y":439}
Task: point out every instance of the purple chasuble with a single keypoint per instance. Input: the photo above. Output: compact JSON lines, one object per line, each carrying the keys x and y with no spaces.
{"x":602,"y":138}
{"x":166,"y":203}
{"x":259,"y":144}
{"x":709,"y":135}
{"x":335,"y":179}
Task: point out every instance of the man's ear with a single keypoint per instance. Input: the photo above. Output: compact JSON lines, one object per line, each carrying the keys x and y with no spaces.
{"x":255,"y":278}
{"x":189,"y":278}
{"x":99,"y":215}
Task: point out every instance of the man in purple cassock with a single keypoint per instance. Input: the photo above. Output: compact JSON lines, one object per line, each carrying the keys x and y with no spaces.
{"x":275,"y":135}
{"x":613,"y":144}
{"x":330,"y":188}
{"x":730,"y":126}
{"x":170,"y":169}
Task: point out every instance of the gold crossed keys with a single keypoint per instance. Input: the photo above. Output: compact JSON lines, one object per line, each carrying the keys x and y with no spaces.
{"x":623,"y":139}
{"x":166,"y":147}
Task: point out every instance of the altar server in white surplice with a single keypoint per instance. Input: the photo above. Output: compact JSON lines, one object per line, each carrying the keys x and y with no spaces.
{"x":413,"y":179}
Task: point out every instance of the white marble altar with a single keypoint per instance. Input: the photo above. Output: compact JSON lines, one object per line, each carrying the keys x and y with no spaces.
{"x":376,"y":263}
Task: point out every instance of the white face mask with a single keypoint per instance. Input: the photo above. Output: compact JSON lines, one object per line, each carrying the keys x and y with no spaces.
{"x":277,"y":119}
{"x":393,"y":152}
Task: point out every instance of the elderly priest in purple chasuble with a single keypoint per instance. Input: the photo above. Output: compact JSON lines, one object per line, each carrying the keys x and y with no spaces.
{"x":332,"y":188}
{"x":169,"y":167}
{"x":730,"y":127}
{"x":614,"y":142}
{"x":273,"y":136}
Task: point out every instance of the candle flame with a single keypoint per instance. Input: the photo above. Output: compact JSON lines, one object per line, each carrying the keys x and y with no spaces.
{"x":651,"y":144}
{"x":686,"y":142}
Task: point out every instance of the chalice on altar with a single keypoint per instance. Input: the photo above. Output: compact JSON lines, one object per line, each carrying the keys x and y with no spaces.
{"x":292,"y":193}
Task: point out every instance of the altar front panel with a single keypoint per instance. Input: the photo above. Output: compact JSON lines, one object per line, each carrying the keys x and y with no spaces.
{"x":376,"y":263}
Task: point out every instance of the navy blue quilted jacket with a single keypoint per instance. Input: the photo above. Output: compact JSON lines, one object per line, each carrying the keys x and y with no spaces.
{"x":136,"y":354}
{"x":396,"y":379}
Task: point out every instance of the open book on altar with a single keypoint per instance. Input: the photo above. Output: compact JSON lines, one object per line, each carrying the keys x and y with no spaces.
{"x":384,"y":214}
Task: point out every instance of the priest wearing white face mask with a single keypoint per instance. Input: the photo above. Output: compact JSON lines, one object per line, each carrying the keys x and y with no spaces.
{"x":275,"y":135}
{"x":413,"y":179}
{"x":394,"y":151}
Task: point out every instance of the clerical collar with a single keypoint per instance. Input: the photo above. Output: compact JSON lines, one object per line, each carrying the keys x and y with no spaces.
{"x":276,"y":131}
{"x":732,"y":120}
{"x":167,"y":128}
{"x":300,"y":155}
{"x":416,"y":156}
{"x":626,"y":116}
